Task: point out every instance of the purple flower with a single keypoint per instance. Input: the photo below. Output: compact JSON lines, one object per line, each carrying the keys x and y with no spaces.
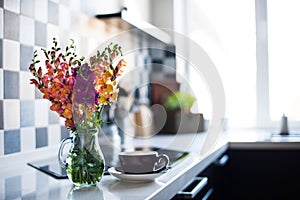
{"x":84,"y":88}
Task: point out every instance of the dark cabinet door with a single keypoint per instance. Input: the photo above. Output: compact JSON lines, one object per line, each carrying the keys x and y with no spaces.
{"x":212,"y":182}
{"x":217,"y":178}
{"x":264,"y":174}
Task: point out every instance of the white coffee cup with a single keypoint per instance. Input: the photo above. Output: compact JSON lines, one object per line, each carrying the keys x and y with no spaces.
{"x":138,"y":162}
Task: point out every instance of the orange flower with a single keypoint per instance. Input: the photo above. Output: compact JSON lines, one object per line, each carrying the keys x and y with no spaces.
{"x":67,"y":114}
{"x":69,"y":123}
{"x":113,"y":97}
{"x":122,"y":63}
{"x":55,"y":107}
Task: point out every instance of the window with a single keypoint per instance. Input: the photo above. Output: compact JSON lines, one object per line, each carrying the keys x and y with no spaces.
{"x":255,"y":47}
{"x":226,"y":31}
{"x":284,"y":63}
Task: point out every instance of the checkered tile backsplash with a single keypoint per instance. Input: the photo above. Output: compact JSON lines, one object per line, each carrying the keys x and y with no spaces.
{"x":26,"y":123}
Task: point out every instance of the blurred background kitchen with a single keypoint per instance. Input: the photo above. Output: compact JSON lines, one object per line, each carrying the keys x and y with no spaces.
{"x":253,"y":44}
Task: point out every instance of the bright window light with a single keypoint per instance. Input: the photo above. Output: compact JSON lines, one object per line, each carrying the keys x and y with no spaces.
{"x":284,"y":62}
{"x":226,"y":31}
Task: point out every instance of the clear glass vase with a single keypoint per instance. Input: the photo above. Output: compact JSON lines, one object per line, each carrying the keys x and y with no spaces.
{"x":85,"y":161}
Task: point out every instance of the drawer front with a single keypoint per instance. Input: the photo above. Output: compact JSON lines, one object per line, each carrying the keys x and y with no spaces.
{"x":197,"y":188}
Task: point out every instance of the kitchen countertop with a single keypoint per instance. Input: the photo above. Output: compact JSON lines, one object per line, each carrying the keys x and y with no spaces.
{"x":263,"y":139}
{"x":23,"y":181}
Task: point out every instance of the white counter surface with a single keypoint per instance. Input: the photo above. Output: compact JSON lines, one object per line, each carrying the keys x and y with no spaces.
{"x":20,"y":181}
{"x":262,"y":139}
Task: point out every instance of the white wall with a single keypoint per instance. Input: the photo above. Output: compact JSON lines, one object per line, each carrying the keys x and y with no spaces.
{"x":162,"y":13}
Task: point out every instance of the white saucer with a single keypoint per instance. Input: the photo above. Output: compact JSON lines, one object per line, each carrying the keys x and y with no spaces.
{"x":134,"y":177}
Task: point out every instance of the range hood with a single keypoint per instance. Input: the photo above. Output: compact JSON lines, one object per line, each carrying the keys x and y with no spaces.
{"x":128,"y":21}
{"x":153,"y":57}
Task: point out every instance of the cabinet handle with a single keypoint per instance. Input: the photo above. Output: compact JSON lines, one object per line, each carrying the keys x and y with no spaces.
{"x":208,"y":194}
{"x":222,"y":161}
{"x":192,"y":188}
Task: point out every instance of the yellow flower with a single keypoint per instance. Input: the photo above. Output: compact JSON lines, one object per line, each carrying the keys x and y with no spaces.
{"x":99,"y":84}
{"x":108,"y":74}
{"x":102,"y":100}
{"x":89,"y":113}
{"x":108,"y":89}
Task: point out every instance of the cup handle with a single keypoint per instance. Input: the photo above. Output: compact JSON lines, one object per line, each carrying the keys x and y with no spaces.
{"x":163,"y":161}
{"x":62,"y":144}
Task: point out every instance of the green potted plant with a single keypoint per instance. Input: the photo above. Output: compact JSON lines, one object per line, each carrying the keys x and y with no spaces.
{"x":179,"y":117}
{"x":179,"y":101}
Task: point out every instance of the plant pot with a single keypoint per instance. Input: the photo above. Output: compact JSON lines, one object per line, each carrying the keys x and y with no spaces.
{"x":183,"y":122}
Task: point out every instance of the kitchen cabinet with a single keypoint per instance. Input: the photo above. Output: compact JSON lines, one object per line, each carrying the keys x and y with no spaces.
{"x":263,"y":174}
{"x":211,"y":183}
{"x":217,"y":177}
{"x":260,"y":170}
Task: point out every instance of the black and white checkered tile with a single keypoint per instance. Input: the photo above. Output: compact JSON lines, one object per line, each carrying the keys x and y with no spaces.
{"x":26,"y":123}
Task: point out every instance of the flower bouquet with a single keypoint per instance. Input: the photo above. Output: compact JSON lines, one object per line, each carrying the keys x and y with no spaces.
{"x":78,"y":89}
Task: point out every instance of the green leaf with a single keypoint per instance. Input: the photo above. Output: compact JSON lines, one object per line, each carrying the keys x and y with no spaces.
{"x":179,"y":100}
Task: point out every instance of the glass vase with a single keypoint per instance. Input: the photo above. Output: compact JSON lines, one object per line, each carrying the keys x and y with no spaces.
{"x":85,"y":161}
